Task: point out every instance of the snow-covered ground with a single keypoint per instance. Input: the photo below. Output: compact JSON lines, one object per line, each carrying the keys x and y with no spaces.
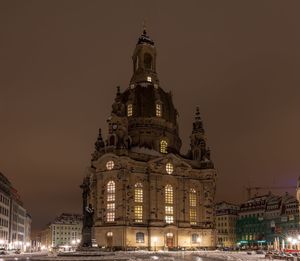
{"x":147,"y":256}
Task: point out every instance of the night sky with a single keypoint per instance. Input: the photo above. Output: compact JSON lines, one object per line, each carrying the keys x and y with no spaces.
{"x":60,"y":63}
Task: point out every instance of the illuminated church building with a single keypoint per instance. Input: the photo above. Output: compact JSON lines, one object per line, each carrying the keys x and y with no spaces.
{"x":143,"y":192}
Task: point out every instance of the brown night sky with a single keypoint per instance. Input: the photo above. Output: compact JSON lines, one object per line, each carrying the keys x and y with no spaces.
{"x":60,"y":63}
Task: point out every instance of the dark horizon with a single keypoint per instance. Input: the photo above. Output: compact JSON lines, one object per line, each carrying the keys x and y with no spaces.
{"x":61,"y":62}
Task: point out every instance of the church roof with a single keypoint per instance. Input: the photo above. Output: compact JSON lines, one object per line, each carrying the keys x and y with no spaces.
{"x":145,"y":99}
{"x":144,"y":38}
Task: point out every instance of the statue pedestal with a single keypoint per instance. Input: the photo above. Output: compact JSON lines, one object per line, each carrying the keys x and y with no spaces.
{"x":86,"y":237}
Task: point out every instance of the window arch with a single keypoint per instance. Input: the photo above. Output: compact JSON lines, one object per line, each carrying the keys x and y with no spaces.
{"x":193,"y":206}
{"x":138,"y":200}
{"x":110,"y":201}
{"x":163,"y":146}
{"x":138,"y":193}
{"x":148,"y":61}
{"x":169,"y":208}
{"x":140,"y":237}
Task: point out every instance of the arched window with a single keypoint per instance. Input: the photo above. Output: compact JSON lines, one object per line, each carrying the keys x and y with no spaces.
{"x":140,"y":237}
{"x":169,"y":208}
{"x":129,"y":110}
{"x":148,"y":61}
{"x":138,"y":193}
{"x":110,"y":201}
{"x":163,"y":146}
{"x":169,"y":168}
{"x":138,"y":200}
{"x":193,"y":206}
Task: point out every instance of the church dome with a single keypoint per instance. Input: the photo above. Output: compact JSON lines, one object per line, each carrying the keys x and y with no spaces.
{"x":144,"y":100}
{"x":151,"y":118}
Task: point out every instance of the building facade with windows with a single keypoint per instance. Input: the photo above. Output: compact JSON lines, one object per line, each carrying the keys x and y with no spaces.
{"x":226,"y":217}
{"x":262,"y":219}
{"x":141,"y":192}
{"x":64,"y":231}
{"x":13,"y":218}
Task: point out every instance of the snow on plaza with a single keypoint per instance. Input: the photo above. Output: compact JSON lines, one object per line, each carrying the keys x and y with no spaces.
{"x":140,"y":256}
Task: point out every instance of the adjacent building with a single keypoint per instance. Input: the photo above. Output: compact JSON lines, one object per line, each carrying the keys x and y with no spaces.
{"x":5,"y":216}
{"x":226,"y":217}
{"x":64,"y":231}
{"x":15,"y":222}
{"x":262,"y":220}
{"x":141,"y":192}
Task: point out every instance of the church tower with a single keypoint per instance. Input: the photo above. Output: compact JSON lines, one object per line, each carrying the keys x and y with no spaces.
{"x":199,"y":150}
{"x":144,"y":61}
{"x":140,"y":191}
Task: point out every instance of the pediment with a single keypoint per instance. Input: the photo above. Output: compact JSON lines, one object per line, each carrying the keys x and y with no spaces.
{"x":100,"y":164}
{"x":159,"y":164}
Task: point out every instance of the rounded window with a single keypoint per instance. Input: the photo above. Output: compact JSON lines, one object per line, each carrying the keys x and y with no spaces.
{"x":169,"y":168}
{"x":110,"y":165}
{"x":148,"y":61}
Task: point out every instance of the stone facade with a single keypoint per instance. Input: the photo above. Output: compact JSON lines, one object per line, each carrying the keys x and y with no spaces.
{"x":141,"y":192}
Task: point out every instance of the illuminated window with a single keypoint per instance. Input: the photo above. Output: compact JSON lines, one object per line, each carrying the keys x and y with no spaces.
{"x":110,"y":165}
{"x":138,"y":199}
{"x":169,"y":168}
{"x":169,"y":194}
{"x":111,"y":187}
{"x":111,"y":206}
{"x":109,"y":234}
{"x":110,"y":217}
{"x":169,"y":219}
{"x":138,"y":213}
{"x":110,"y":198}
{"x":193,"y":216}
{"x":193,"y":205}
{"x":140,"y":238}
{"x":193,"y":198}
{"x":163,"y":146}
{"x":129,"y":110}
{"x":138,"y":193}
{"x":169,"y":209}
{"x":149,"y":79}
{"x":158,"y":110}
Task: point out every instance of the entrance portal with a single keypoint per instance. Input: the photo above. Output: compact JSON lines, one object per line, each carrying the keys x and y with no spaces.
{"x":109,"y":239}
{"x":170,"y":240}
